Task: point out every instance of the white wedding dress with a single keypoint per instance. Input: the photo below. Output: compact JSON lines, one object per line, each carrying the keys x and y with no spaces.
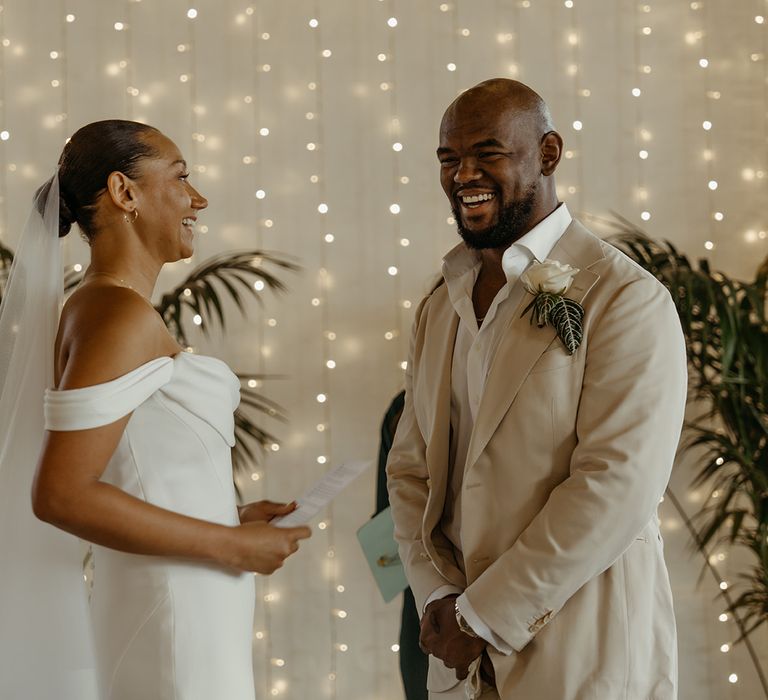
{"x":168,"y":629}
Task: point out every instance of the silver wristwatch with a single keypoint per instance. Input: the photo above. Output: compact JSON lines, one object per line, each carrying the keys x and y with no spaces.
{"x":462,"y":623}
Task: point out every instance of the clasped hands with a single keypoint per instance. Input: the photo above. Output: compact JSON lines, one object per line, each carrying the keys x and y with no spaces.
{"x":441,"y":637}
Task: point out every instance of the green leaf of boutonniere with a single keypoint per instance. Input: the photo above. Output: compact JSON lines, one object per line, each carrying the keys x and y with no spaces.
{"x":567,"y":316}
{"x":542,"y":306}
{"x":564,"y":314}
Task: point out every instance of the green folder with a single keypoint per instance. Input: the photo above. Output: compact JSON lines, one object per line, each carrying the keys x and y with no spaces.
{"x":378,"y":542}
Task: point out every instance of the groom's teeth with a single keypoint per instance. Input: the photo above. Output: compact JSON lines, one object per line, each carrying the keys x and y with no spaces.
{"x":477,"y":198}
{"x":188,"y":222}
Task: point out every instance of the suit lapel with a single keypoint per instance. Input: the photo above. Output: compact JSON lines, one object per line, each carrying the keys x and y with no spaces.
{"x":523,"y":343}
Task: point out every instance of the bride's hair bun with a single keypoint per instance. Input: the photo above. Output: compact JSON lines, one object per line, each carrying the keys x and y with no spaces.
{"x":66,"y":217}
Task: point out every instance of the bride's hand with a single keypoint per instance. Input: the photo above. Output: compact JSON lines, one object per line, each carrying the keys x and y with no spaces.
{"x":261,"y":547}
{"x":264,"y":511}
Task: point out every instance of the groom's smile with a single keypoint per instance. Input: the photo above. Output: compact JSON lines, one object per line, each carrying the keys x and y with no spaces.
{"x":477,"y":208}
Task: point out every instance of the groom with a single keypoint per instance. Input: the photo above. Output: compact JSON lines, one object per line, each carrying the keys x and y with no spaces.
{"x":525,"y":478}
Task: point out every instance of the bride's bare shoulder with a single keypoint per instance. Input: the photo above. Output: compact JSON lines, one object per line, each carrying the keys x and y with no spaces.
{"x":106,"y":331}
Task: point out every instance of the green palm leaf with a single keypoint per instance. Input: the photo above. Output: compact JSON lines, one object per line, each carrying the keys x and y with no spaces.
{"x":724,"y":322}
{"x":229,"y":275}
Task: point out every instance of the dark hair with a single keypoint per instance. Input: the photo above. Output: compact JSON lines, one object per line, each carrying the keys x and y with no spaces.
{"x":93,"y":152}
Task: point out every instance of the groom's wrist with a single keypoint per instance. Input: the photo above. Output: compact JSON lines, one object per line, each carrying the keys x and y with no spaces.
{"x":464,"y":626}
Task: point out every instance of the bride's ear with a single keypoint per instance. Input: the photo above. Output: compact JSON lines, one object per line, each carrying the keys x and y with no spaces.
{"x":122,"y":191}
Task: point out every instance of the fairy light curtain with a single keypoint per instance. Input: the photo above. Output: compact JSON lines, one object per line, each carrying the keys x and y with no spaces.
{"x":311,"y":126}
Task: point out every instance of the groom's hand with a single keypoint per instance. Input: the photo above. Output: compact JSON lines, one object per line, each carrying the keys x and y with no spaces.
{"x":441,"y":637}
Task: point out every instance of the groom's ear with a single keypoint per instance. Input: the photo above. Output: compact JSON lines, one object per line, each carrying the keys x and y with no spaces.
{"x":121,"y":190}
{"x":551,"y":152}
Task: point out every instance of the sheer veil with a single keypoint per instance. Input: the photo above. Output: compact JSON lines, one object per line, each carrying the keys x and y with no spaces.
{"x":46,"y":650}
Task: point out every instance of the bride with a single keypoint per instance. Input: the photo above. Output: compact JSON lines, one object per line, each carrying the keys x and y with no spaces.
{"x":136,"y":450}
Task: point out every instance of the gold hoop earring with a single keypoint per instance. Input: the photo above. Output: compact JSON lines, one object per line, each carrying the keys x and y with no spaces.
{"x":133,"y":220}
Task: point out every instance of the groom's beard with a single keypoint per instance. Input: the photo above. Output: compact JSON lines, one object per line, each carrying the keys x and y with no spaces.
{"x":512,"y":224}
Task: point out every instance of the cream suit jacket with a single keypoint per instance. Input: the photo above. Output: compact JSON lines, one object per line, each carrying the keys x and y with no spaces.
{"x":568,"y":460}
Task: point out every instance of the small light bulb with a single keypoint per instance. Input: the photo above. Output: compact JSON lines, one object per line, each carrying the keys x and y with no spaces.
{"x":264,"y":131}
{"x":718,"y":216}
{"x":327,"y":53}
{"x":71,"y":18}
{"x":321,"y":398}
{"x":321,"y":459}
{"x":392,"y":270}
{"x":712,"y":184}
{"x":709,"y":245}
{"x":725,"y":648}
{"x":706,"y":125}
{"x":260,"y":194}
{"x":703,"y":62}
{"x":394,"y":208}
{"x":192,"y":13}
{"x":330,"y":364}
{"x":258,"y":285}
{"x":645,"y":215}
{"x":723,"y":617}
{"x":119,"y":26}
{"x":733,"y":678}
{"x":392,"y":21}
{"x":451,"y":67}
{"x":313,"y":23}
{"x":637,"y":92}
{"x":322,"y":208}
{"x":197,"y":319}
{"x":723,"y":586}
{"x":577,"y":125}
{"x":397,"y":147}
{"x":4,"y":135}
{"x":382,"y":57}
{"x":643,"y":154}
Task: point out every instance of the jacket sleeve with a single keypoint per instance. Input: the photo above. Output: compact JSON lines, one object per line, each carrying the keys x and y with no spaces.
{"x":628,"y":427}
{"x":408,"y":485}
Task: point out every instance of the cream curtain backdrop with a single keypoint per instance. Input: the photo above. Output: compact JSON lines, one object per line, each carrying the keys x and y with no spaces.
{"x":311,"y":128}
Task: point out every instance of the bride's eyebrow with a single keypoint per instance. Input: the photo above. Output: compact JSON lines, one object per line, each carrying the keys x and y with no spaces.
{"x":181,"y":161}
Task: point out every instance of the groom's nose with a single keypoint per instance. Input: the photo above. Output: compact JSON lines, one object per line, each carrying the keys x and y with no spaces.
{"x":467,"y":171}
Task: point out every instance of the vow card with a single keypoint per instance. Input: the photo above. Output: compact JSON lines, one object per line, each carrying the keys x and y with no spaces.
{"x":322,"y":493}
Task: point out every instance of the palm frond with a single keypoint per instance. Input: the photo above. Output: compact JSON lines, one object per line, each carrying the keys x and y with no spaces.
{"x":230,"y":276}
{"x":724,"y":322}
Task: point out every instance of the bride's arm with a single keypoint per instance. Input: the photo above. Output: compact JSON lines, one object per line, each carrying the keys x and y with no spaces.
{"x":117,"y":333}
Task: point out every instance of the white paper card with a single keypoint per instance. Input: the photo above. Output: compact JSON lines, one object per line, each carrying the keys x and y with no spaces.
{"x":322,"y":493}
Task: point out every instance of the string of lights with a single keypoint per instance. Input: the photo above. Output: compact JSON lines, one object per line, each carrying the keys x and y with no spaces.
{"x":642,"y":30}
{"x":399,"y":241}
{"x":264,"y":657}
{"x":324,"y":427}
{"x":701,"y":37}
{"x":574,"y":71}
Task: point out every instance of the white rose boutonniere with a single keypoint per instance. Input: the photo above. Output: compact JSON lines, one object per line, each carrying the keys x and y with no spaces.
{"x":548,"y":282}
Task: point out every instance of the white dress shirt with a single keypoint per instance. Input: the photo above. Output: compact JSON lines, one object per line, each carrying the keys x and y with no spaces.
{"x":474,"y":350}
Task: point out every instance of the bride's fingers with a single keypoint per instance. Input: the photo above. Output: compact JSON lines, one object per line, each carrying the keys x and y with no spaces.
{"x":272,"y":508}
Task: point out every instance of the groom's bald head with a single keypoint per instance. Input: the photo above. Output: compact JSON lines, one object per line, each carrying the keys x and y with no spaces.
{"x":502,"y":95}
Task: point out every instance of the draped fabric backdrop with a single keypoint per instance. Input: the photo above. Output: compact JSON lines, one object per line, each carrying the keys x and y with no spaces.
{"x":311,"y":128}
